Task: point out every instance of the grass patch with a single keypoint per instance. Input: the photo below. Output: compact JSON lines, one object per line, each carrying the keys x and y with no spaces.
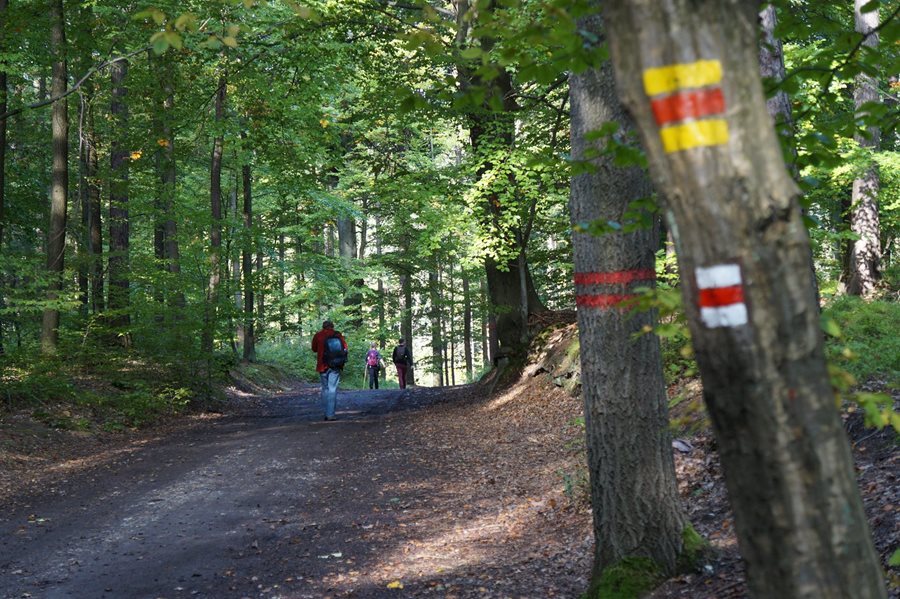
{"x":864,"y":338}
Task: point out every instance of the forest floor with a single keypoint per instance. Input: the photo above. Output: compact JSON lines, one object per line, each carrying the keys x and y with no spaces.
{"x":417,"y":493}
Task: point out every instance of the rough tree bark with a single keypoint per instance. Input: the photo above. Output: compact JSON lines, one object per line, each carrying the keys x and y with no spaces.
{"x":215,"y":236}
{"x":636,"y":507}
{"x":688,"y":71}
{"x":56,"y":236}
{"x":119,"y":233}
{"x":865,"y":252}
{"x":771,"y":66}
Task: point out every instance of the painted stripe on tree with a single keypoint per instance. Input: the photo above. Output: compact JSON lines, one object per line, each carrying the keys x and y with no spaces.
{"x":663,"y":80}
{"x":694,"y":135}
{"x":614,"y":278}
{"x":682,"y":97}
{"x":721,"y":296}
{"x":688,"y":105}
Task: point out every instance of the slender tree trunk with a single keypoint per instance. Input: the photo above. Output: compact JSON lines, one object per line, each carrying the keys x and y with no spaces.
{"x":282,"y":314}
{"x":349,"y":250}
{"x":452,"y":325}
{"x":771,"y":63}
{"x":159,"y":201}
{"x":406,"y":322}
{"x":437,"y":361}
{"x":234,"y":253}
{"x":119,"y":233}
{"x":688,"y":70}
{"x":467,"y":327}
{"x":94,"y":208}
{"x":382,"y":298}
{"x":169,"y":173}
{"x":247,"y":259}
{"x":865,"y":252}
{"x":83,"y":210}
{"x":4,"y":91}
{"x":260,"y":296}
{"x":636,"y":507}
{"x":215,"y":198}
{"x":56,"y":238}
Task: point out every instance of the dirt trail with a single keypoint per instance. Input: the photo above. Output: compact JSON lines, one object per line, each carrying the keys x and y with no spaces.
{"x":402,"y":496}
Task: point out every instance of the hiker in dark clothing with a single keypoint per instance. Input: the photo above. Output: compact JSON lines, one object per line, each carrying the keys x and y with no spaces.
{"x":402,"y":360}
{"x":331,"y":353}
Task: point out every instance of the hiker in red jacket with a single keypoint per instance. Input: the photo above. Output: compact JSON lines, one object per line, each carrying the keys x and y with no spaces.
{"x":331,"y":354}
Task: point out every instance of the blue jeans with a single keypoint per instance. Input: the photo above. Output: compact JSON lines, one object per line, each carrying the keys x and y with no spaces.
{"x":330,"y":379}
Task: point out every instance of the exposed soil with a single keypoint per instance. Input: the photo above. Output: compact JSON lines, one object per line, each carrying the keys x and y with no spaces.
{"x":422,"y":493}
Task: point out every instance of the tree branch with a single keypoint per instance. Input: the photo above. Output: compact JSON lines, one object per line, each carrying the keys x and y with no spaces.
{"x":75,"y":87}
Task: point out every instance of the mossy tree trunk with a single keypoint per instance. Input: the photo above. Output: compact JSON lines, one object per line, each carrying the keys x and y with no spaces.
{"x":688,"y":71}
{"x":636,"y":507}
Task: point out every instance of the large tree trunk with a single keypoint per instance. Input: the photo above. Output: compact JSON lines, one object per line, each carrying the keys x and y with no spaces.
{"x":247,"y":260}
{"x":688,"y":70}
{"x":636,"y":507}
{"x":865,"y":252}
{"x":215,"y":198}
{"x":119,"y":233}
{"x":56,"y":237}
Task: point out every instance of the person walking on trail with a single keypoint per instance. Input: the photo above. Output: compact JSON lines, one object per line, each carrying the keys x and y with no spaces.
{"x":331,"y":355}
{"x":402,"y":360}
{"x":374,"y":364}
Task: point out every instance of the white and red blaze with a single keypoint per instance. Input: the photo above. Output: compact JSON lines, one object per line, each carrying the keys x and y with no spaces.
{"x":721,"y":296}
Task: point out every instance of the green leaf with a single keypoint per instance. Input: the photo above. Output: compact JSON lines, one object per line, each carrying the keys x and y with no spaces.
{"x":870,"y":6}
{"x":159,"y":43}
{"x":894,"y":560}
{"x":230,"y":41}
{"x":471,"y":53}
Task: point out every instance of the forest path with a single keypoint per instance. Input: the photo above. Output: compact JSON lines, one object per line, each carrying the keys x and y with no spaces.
{"x":271,"y":501}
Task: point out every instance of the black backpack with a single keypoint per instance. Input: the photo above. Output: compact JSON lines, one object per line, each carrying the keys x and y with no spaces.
{"x":335,"y":355}
{"x":400,"y":355}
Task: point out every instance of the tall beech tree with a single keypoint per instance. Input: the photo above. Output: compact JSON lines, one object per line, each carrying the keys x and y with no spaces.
{"x":215,"y":234}
{"x":119,"y":219}
{"x":59,"y":185}
{"x":636,"y":507}
{"x":865,"y":252}
{"x":492,"y":131}
{"x":688,"y":71}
